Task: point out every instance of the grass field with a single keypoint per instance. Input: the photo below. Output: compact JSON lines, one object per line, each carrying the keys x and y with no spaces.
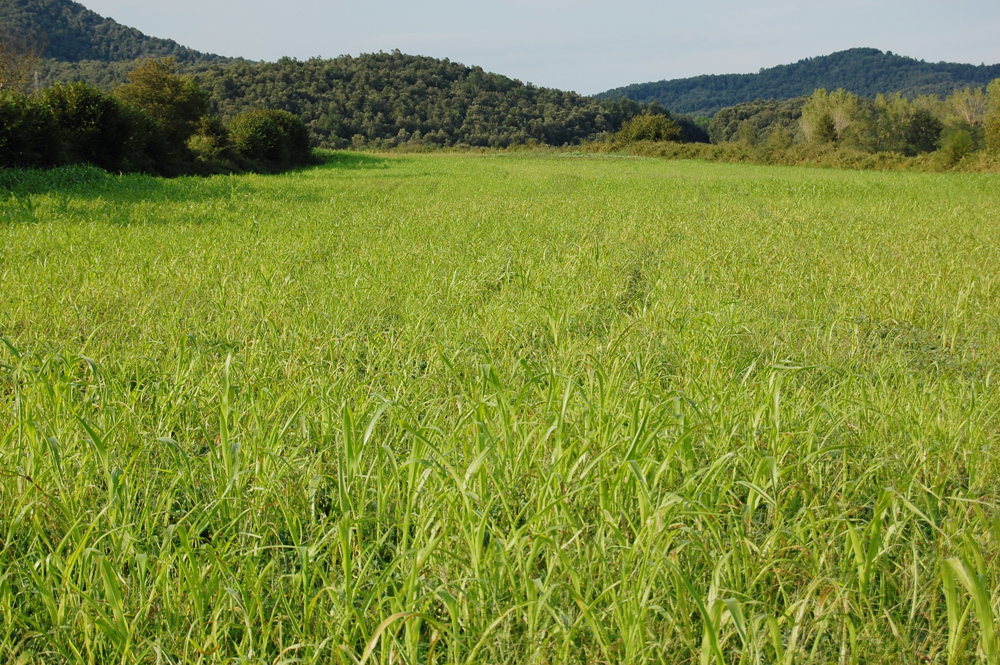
{"x":500,"y":409}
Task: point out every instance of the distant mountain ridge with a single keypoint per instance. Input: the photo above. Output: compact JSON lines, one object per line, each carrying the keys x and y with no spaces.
{"x":74,"y":34}
{"x":863,"y":71}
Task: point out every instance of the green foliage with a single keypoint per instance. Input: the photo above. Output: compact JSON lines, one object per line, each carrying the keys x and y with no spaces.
{"x":28,"y":133}
{"x":865,"y":72}
{"x":957,"y":145}
{"x":211,"y":140}
{"x":272,"y":138}
{"x":80,"y":124}
{"x":969,"y":106}
{"x":74,"y":33}
{"x":825,"y":129}
{"x":389,"y":99}
{"x":825,"y":155}
{"x":759,"y":118}
{"x":455,"y":410}
{"x":923,"y":132}
{"x":94,"y":127}
{"x":649,"y":128}
{"x":392,"y":99}
{"x":992,"y":117}
{"x":831,"y":117}
{"x":176,"y":104}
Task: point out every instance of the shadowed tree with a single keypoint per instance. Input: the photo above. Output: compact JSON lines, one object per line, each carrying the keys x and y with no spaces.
{"x":923,"y":133}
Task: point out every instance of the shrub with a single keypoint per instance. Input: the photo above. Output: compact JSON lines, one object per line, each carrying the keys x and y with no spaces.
{"x":296,"y":136}
{"x":28,"y":133}
{"x":273,"y":138}
{"x":211,"y":141}
{"x":94,"y":127}
{"x":649,"y":128}
{"x":957,"y":145}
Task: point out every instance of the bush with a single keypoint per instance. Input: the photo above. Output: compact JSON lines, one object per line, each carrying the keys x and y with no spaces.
{"x":148,"y":150}
{"x":28,"y":133}
{"x":957,"y":145}
{"x":271,"y":138}
{"x":211,"y":141}
{"x":94,"y":127}
{"x":649,"y":128}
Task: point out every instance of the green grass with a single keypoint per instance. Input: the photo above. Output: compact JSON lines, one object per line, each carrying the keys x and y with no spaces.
{"x":500,"y":409}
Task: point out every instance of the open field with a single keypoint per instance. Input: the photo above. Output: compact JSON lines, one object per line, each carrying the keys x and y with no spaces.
{"x":501,"y":409}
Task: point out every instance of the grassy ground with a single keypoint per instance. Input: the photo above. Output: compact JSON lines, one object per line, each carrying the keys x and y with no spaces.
{"x":500,"y":409}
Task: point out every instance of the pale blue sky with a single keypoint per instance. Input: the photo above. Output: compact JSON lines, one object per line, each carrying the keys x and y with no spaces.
{"x":583,"y":45}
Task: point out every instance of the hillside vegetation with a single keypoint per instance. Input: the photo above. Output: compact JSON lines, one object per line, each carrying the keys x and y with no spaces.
{"x":928,"y":133}
{"x":389,"y":99}
{"x":452,"y":409}
{"x":157,"y":123}
{"x":73,"y":34}
{"x":864,"y":71}
{"x":382,"y":99}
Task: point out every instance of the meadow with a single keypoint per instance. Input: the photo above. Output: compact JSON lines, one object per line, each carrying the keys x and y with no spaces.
{"x":499,"y":408}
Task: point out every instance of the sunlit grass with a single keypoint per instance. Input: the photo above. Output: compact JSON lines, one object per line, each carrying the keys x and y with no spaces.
{"x":500,"y":409}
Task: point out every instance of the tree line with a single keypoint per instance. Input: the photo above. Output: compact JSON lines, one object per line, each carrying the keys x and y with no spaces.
{"x":959,"y":124}
{"x":158,"y":123}
{"x":385,"y":100}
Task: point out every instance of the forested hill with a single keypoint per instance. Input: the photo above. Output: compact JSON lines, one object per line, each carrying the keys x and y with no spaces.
{"x":73,"y":33}
{"x":384,"y":99}
{"x":863,"y":71}
{"x":393,"y":98}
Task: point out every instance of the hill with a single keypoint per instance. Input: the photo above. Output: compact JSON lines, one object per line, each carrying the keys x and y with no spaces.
{"x":863,"y":71}
{"x":392,"y":98}
{"x":74,"y":33}
{"x":380,"y":98}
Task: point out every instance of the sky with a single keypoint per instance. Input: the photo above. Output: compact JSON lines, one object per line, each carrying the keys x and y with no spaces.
{"x":583,"y":45}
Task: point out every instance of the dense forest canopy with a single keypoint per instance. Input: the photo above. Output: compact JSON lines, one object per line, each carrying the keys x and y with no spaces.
{"x":864,"y":71}
{"x":392,"y":98}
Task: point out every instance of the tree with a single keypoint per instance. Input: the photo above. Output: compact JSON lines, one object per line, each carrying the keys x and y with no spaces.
{"x":816,"y":120}
{"x":270,"y":138}
{"x":839,"y":110}
{"x":845,"y":109}
{"x":969,"y":105}
{"x":176,"y":104}
{"x":826,"y":129}
{"x":923,"y":132}
{"x":94,"y":127}
{"x":992,"y":123}
{"x":19,"y":57}
{"x":649,"y":128}
{"x":29,"y":136}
